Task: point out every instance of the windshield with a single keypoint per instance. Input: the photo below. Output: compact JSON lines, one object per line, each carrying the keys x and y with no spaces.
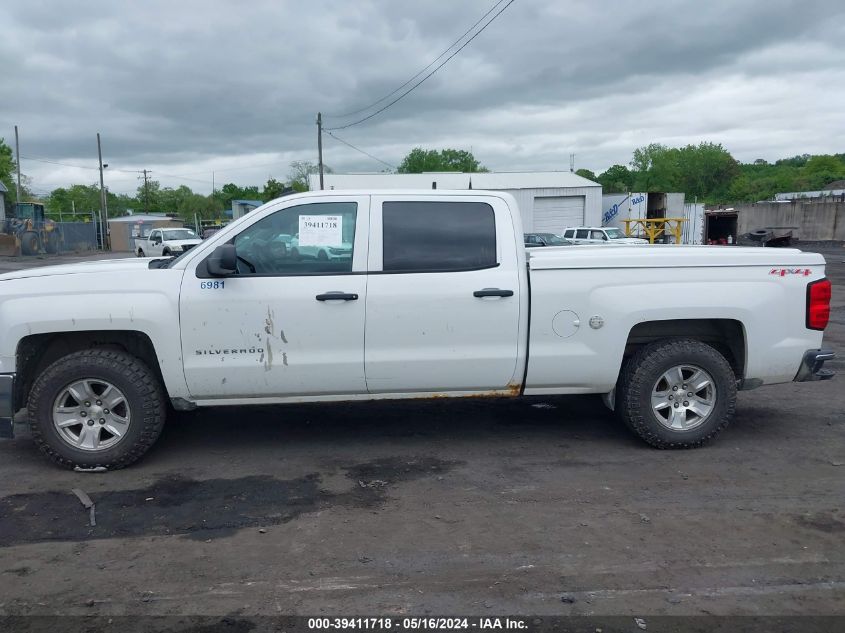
{"x":615,"y":234}
{"x":179,"y":234}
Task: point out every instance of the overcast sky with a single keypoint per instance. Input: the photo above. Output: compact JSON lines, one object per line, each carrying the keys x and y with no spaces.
{"x":187,"y":88}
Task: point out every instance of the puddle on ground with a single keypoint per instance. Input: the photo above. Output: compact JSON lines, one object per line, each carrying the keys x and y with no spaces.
{"x":211,"y":508}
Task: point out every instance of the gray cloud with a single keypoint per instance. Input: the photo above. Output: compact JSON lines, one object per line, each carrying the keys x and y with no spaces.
{"x":187,"y":88}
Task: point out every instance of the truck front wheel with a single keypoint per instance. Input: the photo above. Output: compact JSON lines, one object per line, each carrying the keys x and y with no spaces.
{"x":30,"y":245}
{"x":676,"y":393}
{"x":96,"y":408}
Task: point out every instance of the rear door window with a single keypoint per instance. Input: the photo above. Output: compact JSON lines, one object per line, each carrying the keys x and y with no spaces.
{"x":421,"y":236}
{"x":582,"y":234}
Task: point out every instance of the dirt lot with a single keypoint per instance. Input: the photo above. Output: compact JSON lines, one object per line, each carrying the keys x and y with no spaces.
{"x":538,"y":506}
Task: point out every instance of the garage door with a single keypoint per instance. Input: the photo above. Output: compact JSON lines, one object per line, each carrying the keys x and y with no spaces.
{"x":552,"y":214}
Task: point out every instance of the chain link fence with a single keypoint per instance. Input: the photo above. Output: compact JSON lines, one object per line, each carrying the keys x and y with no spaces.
{"x":78,"y":236}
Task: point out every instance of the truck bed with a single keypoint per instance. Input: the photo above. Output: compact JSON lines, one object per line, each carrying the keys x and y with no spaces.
{"x":668,"y":256}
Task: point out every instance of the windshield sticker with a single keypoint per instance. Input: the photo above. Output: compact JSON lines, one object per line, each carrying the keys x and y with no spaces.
{"x":320,"y":230}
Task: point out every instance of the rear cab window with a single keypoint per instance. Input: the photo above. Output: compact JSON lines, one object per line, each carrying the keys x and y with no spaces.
{"x":437,"y":236}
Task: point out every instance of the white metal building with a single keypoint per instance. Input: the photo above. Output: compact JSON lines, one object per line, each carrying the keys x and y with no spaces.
{"x":549,"y":201}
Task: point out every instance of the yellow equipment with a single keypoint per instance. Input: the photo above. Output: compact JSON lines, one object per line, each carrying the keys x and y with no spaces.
{"x":654,"y":228}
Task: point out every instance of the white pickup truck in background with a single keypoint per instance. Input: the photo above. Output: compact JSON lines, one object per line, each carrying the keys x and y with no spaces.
{"x":430,"y":294}
{"x":600,"y":235}
{"x":166,"y":242}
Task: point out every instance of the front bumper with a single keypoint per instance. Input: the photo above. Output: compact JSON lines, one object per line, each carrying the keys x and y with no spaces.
{"x":7,"y":406}
{"x":811,"y":367}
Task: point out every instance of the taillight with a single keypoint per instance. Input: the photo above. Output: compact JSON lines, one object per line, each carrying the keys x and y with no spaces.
{"x":818,"y":304}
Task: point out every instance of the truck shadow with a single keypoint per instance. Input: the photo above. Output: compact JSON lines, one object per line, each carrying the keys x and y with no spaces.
{"x":415,"y":421}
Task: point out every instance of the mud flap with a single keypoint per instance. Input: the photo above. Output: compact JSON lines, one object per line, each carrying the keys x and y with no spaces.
{"x":7,"y":413}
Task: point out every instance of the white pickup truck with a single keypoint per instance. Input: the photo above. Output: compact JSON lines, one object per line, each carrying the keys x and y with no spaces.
{"x":433,"y":296}
{"x":166,"y":242}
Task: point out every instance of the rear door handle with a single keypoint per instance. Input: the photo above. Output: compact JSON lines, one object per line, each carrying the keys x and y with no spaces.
{"x":492,"y":292}
{"x":336,"y":295}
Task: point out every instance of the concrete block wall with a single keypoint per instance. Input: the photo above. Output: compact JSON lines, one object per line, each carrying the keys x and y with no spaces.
{"x":812,"y":220}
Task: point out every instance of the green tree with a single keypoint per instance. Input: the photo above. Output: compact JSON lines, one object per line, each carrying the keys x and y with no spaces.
{"x":8,"y":176}
{"x":230,"y":191}
{"x":149,"y":197}
{"x":7,"y":170}
{"x":656,"y":168}
{"x":204,"y":207}
{"x":83,"y":199}
{"x":616,"y":179}
{"x":420,"y":160}
{"x":170,"y":200}
{"x":705,"y":171}
{"x":300,"y":170}
{"x":272,"y":190}
{"x":586,"y":173}
{"x":819,"y":171}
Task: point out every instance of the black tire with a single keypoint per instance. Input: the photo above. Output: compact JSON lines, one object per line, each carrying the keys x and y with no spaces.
{"x":144,"y":395}
{"x":51,"y":244}
{"x":141,"y":252}
{"x":165,"y":252}
{"x":641,"y":374}
{"x":30,"y":244}
{"x":323,"y":256}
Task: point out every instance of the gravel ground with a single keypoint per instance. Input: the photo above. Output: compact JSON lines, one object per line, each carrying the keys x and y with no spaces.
{"x":534,"y":506}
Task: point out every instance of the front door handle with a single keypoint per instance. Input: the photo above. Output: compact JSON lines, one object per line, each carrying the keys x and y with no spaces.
{"x":492,"y":292}
{"x":336,"y":295}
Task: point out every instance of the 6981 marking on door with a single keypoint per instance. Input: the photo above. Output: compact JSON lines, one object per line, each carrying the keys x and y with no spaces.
{"x":217,"y":284}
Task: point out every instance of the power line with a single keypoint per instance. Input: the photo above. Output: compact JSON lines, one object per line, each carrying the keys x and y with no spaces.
{"x":421,"y":81}
{"x":358,"y":149}
{"x":55,"y":162}
{"x":430,"y":64}
{"x":207,"y":182}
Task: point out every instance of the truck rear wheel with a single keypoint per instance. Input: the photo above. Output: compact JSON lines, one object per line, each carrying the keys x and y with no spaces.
{"x":96,"y":408}
{"x":51,"y":243}
{"x":676,"y":393}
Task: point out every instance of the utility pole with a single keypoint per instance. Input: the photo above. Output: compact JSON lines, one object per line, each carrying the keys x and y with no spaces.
{"x":18,"y":160}
{"x":146,"y":172}
{"x":104,"y":213}
{"x":319,"y":145}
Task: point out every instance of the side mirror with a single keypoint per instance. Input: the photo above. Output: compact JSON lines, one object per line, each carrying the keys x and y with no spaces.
{"x":223,"y":261}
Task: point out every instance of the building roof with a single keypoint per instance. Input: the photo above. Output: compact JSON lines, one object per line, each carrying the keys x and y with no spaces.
{"x":248,"y":203}
{"x":501,"y":180}
{"x":798,"y":195}
{"x":145,"y":217}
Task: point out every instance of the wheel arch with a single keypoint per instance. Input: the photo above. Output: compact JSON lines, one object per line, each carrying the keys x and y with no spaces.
{"x":728,"y":336}
{"x":36,"y":352}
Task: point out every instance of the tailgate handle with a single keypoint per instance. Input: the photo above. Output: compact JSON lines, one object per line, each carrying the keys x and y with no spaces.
{"x":492,"y":292}
{"x":337,"y":296}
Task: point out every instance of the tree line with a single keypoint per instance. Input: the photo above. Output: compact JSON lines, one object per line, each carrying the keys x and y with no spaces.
{"x":706,"y":172}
